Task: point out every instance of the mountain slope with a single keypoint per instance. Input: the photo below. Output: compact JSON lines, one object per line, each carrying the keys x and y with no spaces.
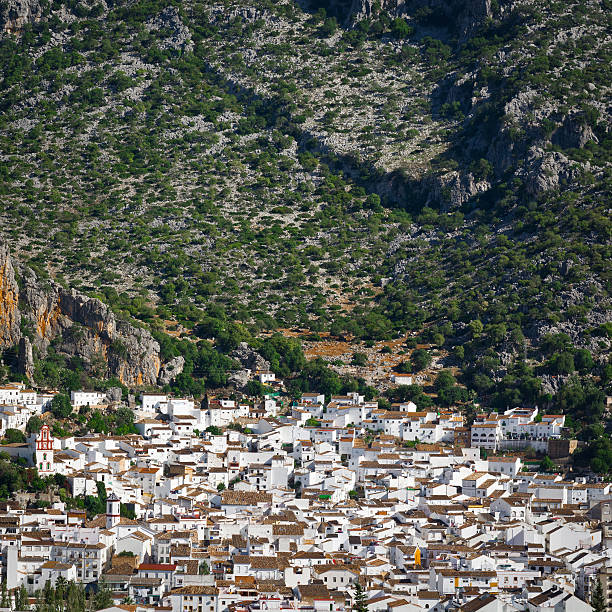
{"x":246,"y":165}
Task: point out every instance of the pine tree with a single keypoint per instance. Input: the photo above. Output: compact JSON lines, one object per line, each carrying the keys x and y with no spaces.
{"x":359,"y":599}
{"x":597,"y":598}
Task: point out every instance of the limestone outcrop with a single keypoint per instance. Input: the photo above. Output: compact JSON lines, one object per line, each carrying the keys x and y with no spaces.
{"x":10,"y":316}
{"x":43,"y":311}
{"x":15,"y":14}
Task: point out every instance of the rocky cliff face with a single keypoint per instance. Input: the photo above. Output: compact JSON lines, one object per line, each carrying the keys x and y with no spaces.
{"x":77,"y":324}
{"x":26,"y":358}
{"x":459,"y":16}
{"x":14,"y":14}
{"x":171,"y":370}
{"x":514,"y":142}
{"x":249,"y":358}
{"x":451,"y":190}
{"x":178,"y":35}
{"x":9,"y":297}
{"x":251,"y":361}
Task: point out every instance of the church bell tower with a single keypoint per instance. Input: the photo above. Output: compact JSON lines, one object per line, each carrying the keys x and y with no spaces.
{"x":44,"y":451}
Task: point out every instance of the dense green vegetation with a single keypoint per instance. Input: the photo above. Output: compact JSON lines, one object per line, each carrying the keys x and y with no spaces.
{"x":65,"y":596}
{"x":14,"y":476}
{"x":234,"y":172}
{"x":258,"y":148}
{"x":119,"y":422}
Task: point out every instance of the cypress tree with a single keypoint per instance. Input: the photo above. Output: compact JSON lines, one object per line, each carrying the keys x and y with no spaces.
{"x":597,"y":598}
{"x":359,"y":599}
{"x":5,"y":601}
{"x":24,"y":601}
{"x":75,"y":598}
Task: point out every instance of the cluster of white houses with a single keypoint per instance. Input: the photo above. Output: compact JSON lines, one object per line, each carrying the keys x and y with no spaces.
{"x":290,"y":506}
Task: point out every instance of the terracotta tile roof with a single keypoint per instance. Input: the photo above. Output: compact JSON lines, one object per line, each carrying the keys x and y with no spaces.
{"x":245,"y":498}
{"x":157,"y":567}
{"x":196,"y":589}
